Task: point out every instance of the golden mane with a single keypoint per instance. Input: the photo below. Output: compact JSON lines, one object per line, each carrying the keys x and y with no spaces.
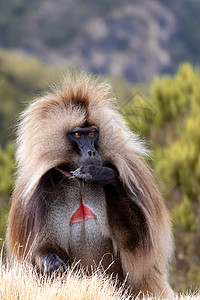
{"x":43,"y":127}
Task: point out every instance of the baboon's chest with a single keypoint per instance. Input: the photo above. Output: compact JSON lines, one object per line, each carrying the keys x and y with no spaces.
{"x":89,"y":232}
{"x":81,"y":224}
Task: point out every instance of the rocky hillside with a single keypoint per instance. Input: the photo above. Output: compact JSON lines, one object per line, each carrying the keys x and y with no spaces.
{"x":131,"y":39}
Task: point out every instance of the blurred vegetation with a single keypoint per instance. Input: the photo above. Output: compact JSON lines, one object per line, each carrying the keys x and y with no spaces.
{"x":28,"y":24}
{"x":170,"y":120}
{"x":14,"y":14}
{"x":168,"y":116}
{"x":6,"y":183}
{"x":6,"y":169}
{"x":21,"y":78}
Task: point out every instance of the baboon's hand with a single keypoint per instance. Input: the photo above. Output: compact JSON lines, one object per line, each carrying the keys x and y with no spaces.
{"x":99,"y":174}
{"x":81,"y":173}
{"x":51,"y":262}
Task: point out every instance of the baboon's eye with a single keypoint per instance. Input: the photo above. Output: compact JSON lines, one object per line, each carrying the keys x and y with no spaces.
{"x":77,"y":134}
{"x":92,"y":132}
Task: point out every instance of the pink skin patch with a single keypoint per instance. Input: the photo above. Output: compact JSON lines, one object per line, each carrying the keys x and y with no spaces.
{"x":82,"y":213}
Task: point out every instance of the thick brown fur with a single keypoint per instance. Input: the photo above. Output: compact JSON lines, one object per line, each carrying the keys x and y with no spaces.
{"x":42,"y":147}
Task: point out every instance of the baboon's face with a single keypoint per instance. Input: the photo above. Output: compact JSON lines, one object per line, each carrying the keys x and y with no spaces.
{"x":84,"y":141}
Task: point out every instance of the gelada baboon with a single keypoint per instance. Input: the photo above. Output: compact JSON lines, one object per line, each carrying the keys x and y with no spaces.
{"x":84,"y":192}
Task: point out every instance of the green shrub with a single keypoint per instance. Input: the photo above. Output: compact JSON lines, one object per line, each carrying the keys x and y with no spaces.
{"x":174,"y":132}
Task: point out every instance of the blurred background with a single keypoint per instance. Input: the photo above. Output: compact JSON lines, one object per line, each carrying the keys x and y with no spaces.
{"x":150,"y":52}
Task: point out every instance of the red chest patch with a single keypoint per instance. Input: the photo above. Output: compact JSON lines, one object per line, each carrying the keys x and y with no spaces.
{"x":82,"y":213}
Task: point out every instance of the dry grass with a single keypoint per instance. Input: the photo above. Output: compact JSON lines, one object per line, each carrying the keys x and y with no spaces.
{"x":19,"y":281}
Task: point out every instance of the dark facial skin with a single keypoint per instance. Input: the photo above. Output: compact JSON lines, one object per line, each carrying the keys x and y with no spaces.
{"x":90,"y":162}
{"x":84,"y":139}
